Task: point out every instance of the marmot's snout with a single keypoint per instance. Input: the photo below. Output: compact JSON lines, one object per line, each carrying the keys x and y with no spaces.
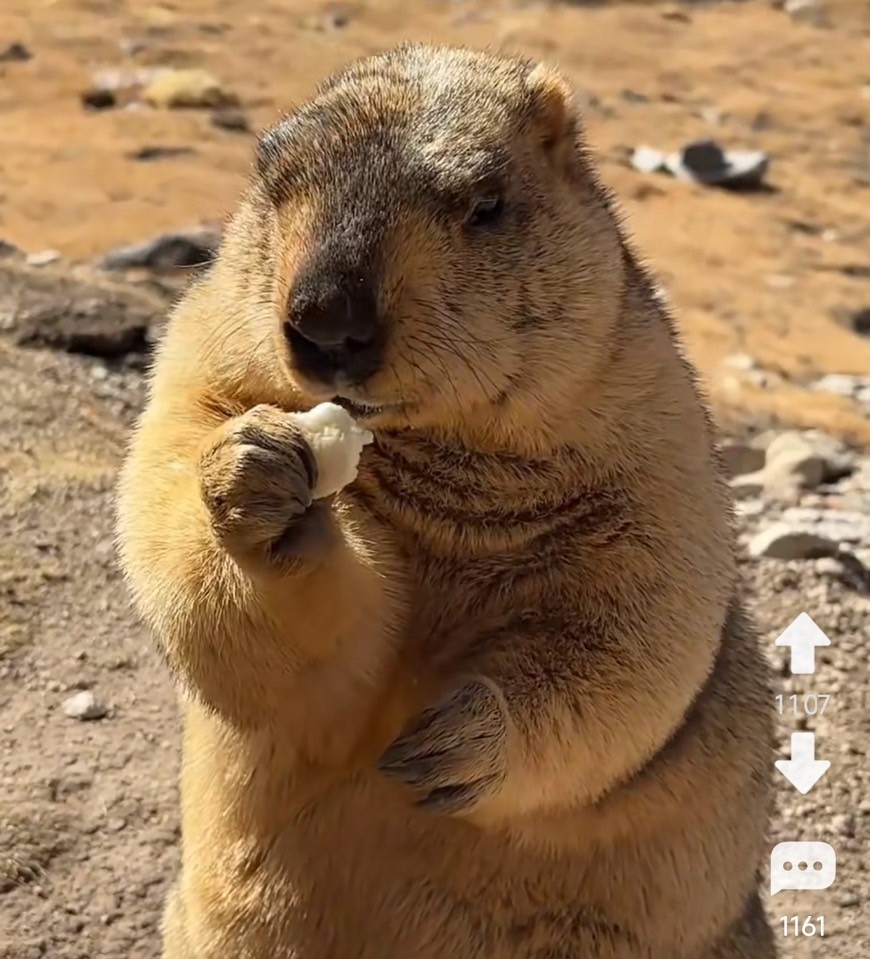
{"x":333,"y":329}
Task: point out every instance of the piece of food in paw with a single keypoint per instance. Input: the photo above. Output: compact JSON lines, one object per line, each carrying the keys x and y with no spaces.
{"x":337,"y":442}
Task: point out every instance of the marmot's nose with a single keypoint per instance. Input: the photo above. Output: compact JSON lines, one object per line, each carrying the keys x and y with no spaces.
{"x":332,"y":330}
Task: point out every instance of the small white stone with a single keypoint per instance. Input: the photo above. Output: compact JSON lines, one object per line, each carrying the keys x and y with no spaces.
{"x":84,"y":706}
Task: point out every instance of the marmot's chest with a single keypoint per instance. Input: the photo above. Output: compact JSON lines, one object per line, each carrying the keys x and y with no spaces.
{"x":454,"y":603}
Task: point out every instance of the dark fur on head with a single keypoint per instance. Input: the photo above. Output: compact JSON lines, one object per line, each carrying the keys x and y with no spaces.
{"x":455,"y":184}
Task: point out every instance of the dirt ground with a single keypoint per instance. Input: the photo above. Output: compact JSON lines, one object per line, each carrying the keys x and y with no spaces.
{"x":88,"y":817}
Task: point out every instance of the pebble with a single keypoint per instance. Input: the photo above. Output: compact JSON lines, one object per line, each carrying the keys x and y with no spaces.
{"x":180,"y":89}
{"x":42,"y":258}
{"x":98,"y":99}
{"x":648,"y":160}
{"x":10,"y":250}
{"x":15,"y":53}
{"x":844,"y":825}
{"x":849,"y":900}
{"x":150,"y":153}
{"x":740,"y":458}
{"x":843,"y":384}
{"x":740,"y":361}
{"x":84,"y":706}
{"x":859,"y":320}
{"x":230,"y":118}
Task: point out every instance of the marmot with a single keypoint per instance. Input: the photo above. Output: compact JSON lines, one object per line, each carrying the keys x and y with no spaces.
{"x":498,"y":697}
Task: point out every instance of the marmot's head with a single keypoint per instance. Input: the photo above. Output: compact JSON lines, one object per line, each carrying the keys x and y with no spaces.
{"x":438,"y":246}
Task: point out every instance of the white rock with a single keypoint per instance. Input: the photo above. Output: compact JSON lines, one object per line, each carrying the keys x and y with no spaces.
{"x":647,"y":159}
{"x":839,"y":383}
{"x":43,"y":258}
{"x":84,"y":706}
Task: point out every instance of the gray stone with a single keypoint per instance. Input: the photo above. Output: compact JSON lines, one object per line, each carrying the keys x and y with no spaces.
{"x":705,"y":162}
{"x":84,"y":706}
{"x":740,"y":458}
{"x":783,"y":541}
{"x":166,"y":252}
{"x":748,"y":487}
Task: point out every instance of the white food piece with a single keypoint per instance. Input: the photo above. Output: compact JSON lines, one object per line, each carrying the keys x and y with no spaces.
{"x":337,"y":442}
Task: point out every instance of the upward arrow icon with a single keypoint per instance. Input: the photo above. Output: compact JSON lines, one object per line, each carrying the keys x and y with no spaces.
{"x":803,"y":636}
{"x":803,"y":770}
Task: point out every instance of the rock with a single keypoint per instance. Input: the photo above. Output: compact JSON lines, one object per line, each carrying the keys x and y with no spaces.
{"x":333,"y":16}
{"x":841,"y":526}
{"x":783,"y":541}
{"x":859,"y":321}
{"x":813,"y":456}
{"x":748,"y":486}
{"x":791,"y":459}
{"x":705,"y":162}
{"x":84,"y":706}
{"x":98,"y":99}
{"x":166,"y":252}
{"x":15,"y":53}
{"x":806,"y":11}
{"x":149,"y":153}
{"x":54,"y":311}
{"x":10,"y":250}
{"x":740,"y":458}
{"x":844,"y":825}
{"x":839,"y":383}
{"x":849,"y":900}
{"x":648,"y":160}
{"x":231,"y":118}
{"x":180,"y":89}
{"x":740,"y":361}
{"x":791,"y":465}
{"x":42,"y":258}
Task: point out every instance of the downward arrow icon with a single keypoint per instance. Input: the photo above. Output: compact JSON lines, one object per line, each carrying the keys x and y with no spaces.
{"x":803,"y":770}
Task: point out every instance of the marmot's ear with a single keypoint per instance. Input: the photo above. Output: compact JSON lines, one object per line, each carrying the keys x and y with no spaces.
{"x":553,"y":112}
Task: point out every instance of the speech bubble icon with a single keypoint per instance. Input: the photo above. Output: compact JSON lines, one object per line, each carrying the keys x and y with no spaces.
{"x":802,"y":865}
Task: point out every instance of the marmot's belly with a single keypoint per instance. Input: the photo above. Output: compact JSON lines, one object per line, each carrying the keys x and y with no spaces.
{"x":359,"y":874}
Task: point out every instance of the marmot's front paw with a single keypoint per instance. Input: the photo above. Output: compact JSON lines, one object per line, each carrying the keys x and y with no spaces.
{"x":257,"y":479}
{"x":455,"y":753}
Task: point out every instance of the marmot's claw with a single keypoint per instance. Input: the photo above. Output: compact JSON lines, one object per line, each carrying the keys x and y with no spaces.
{"x":454,"y":753}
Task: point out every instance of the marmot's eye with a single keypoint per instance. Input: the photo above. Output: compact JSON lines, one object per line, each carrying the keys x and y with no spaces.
{"x":486,"y":210}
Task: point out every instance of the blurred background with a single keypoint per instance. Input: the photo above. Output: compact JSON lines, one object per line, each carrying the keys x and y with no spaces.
{"x":126,"y":131}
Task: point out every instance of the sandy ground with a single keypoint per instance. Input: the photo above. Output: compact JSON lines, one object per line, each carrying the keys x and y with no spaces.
{"x":88,"y":819}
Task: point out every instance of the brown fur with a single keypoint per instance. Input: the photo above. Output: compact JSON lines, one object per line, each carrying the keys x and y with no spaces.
{"x":498,"y":698}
